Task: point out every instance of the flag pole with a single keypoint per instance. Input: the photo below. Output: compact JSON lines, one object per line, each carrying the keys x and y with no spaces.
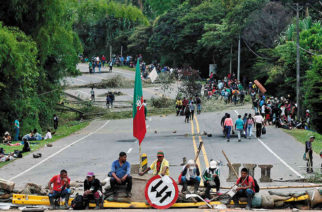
{"x":140,"y":165}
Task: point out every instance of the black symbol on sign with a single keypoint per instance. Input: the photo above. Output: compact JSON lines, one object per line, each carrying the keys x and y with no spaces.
{"x":168,"y":194}
{"x":159,"y":194}
{"x":154,"y":188}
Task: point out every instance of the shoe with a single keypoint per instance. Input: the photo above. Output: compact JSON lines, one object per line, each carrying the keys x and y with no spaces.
{"x":239,"y":140}
{"x":227,"y":140}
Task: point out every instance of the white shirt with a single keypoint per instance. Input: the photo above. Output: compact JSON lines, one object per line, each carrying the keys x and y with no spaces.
{"x":258,"y":119}
{"x":48,"y":136}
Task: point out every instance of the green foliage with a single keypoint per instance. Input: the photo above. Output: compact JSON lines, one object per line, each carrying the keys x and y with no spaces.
{"x":313,"y":92}
{"x":161,"y":102}
{"x":30,"y":86}
{"x":99,"y":22}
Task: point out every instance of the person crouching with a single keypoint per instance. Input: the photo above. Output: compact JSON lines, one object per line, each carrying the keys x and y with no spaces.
{"x":190,"y":176}
{"x":92,"y":190}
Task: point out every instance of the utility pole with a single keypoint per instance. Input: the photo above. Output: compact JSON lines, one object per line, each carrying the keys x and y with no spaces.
{"x":297,"y":61}
{"x":231,"y":58}
{"x":238,"y":67}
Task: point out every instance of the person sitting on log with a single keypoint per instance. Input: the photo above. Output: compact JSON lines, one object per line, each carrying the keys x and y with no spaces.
{"x":92,"y":190}
{"x":159,"y":167}
{"x":211,"y":178}
{"x":61,"y":188}
{"x":190,"y":176}
{"x":120,"y":174}
{"x":246,"y":188}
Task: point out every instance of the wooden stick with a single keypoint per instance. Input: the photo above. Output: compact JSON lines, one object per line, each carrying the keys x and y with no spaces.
{"x":282,"y":187}
{"x":199,"y":149}
{"x":229,"y":164}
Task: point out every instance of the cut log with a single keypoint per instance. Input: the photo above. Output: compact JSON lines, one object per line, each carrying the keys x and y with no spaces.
{"x":6,"y":185}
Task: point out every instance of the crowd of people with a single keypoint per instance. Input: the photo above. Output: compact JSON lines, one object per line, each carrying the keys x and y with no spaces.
{"x":228,"y":89}
{"x":120,"y":174}
{"x":24,"y":141}
{"x":187,"y":107}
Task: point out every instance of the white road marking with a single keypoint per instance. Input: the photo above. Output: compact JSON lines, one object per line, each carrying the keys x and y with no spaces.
{"x":280,"y":159}
{"x":59,"y":151}
{"x":130,"y":150}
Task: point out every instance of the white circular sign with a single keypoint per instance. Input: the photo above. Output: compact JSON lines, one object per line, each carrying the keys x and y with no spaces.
{"x":161,"y":192}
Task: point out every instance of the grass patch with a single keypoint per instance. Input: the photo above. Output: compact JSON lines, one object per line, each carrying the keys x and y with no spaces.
{"x":303,"y":136}
{"x":214,"y":105}
{"x":67,"y":125}
{"x":125,"y":68}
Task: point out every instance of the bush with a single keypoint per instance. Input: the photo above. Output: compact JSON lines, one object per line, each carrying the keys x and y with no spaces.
{"x":162,"y":102}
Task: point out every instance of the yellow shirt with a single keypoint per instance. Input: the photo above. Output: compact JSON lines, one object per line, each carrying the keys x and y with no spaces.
{"x":179,"y":102}
{"x":164,"y":163}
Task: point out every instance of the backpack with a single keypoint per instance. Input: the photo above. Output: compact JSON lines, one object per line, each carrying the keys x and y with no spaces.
{"x":17,"y":154}
{"x":256,"y":185}
{"x":78,"y":202}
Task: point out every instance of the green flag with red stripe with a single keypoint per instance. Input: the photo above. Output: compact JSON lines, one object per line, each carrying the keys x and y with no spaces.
{"x":139,"y":129}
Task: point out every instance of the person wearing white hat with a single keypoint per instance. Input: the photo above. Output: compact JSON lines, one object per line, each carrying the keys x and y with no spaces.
{"x":190,"y":176}
{"x":211,"y":177}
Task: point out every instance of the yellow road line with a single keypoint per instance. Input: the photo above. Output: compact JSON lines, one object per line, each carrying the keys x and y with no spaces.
{"x":195,"y":149}
{"x":205,"y":157}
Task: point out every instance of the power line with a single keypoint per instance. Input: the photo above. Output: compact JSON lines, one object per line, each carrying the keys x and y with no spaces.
{"x":266,"y":58}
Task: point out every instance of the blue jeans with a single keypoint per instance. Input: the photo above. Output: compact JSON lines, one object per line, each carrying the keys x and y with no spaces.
{"x":16,"y":134}
{"x":249,"y":130}
{"x":184,"y":179}
{"x":64,"y":194}
{"x":228,"y":129}
{"x":249,"y":193}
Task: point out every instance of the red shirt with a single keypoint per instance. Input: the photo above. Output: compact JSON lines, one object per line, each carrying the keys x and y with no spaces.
{"x":103,"y":58}
{"x":58,"y":183}
{"x":245,"y":183}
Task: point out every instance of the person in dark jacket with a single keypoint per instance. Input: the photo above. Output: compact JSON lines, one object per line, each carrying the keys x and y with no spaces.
{"x":92,"y":190}
{"x":309,"y":151}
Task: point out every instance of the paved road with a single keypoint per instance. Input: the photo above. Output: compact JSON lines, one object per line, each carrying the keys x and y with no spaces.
{"x":95,"y":147}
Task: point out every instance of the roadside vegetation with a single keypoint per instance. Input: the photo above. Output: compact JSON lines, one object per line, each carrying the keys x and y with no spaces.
{"x":68,"y":124}
{"x":304,"y":135}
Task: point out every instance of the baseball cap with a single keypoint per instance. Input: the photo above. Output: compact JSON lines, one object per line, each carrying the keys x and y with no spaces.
{"x":90,"y":174}
{"x":213,"y":164}
{"x":160,"y":153}
{"x":191,"y":162}
{"x":312,"y":136}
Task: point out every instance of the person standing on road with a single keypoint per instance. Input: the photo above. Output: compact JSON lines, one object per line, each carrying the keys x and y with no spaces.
{"x":259,"y":121}
{"x":17,"y":129}
{"x":92,"y":190}
{"x":178,"y":106}
{"x":93,"y":94}
{"x":90,"y":67}
{"x":198,"y":102}
{"x":120,"y":174}
{"x":190,"y":176}
{"x":145,"y":109}
{"x":192,"y":109}
{"x":159,"y":166}
{"x":103,"y":60}
{"x":239,"y":126}
{"x":228,"y":125}
{"x":249,"y":125}
{"x":55,"y":122}
{"x":60,"y":189}
{"x":211,"y":178}
{"x":309,"y":152}
{"x":111,"y":65}
{"x":187,"y":114}
{"x":112,"y":97}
